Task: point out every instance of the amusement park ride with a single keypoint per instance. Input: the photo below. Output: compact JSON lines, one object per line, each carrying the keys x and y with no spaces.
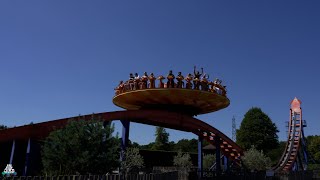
{"x":174,"y":105}
{"x":295,"y":156}
{"x":200,"y":96}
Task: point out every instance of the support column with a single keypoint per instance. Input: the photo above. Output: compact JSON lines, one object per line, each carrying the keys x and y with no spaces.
{"x":125,"y":137}
{"x":27,"y":158}
{"x":12,"y":151}
{"x":300,"y":164}
{"x":200,"y":157}
{"x":225,"y":163}
{"x":294,"y":168}
{"x":218,"y":158}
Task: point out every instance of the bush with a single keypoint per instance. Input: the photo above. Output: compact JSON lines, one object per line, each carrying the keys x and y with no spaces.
{"x":208,"y":160}
{"x":313,"y":166}
{"x":256,"y":160}
{"x":183,"y":161}
{"x":133,"y":161}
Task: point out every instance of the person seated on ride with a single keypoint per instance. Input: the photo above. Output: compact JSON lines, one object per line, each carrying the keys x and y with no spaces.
{"x":196,"y":79}
{"x":144,"y":81}
{"x":189,"y":79}
{"x":212,"y":87}
{"x":126,"y":86}
{"x":131,"y":81}
{"x":119,"y":88}
{"x":136,"y":81}
{"x":161,"y":84}
{"x":204,"y":82}
{"x":224,"y":90}
{"x":152,"y":80}
{"x":180,"y":79}
{"x":170,"y":82}
{"x":217,"y":85}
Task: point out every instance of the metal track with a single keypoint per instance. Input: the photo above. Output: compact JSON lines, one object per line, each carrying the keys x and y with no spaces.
{"x":290,"y":155}
{"x":162,"y":118}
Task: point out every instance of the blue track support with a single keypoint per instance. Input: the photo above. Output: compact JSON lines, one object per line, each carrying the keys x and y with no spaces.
{"x":200,"y":157}
{"x":12,"y":151}
{"x":27,"y":158}
{"x":225,"y":163}
{"x":218,"y":158}
{"x":125,"y":137}
{"x":295,"y":166}
{"x":304,"y":149}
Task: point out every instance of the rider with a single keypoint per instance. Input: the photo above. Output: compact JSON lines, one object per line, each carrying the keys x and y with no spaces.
{"x":197,"y":77}
{"x":170,"y":82}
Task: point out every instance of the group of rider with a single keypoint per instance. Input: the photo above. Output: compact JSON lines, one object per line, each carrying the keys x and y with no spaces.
{"x":198,"y":81}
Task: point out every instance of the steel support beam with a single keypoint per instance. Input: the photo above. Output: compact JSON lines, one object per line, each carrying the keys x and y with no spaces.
{"x":295,"y":166}
{"x":225,"y":163}
{"x":125,"y":138}
{"x":27,"y":158}
{"x":200,"y":157}
{"x":12,"y":151}
{"x":218,"y":158}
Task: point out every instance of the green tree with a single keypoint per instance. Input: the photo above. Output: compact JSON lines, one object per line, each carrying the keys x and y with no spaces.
{"x":208,"y":160}
{"x":182,"y":160}
{"x":257,"y":130}
{"x":147,"y":146}
{"x":3,"y":127}
{"x":184,"y":163}
{"x":133,"y":162}
{"x":135,"y":145}
{"x":130,"y":143}
{"x":256,"y":160}
{"x":314,"y":147}
{"x":275,"y":154}
{"x":186,"y":145}
{"x":81,"y":147}
{"x":162,"y":139}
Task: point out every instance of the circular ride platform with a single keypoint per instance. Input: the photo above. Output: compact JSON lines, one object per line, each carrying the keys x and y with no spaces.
{"x":188,"y":101}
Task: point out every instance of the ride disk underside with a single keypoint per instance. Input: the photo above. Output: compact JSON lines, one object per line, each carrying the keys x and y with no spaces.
{"x":188,"y":101}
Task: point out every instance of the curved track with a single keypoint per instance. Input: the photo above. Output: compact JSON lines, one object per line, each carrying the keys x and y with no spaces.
{"x":290,"y":159}
{"x":167,"y":119}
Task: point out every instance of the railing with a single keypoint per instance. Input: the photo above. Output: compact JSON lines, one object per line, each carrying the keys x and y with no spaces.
{"x":152,"y":176}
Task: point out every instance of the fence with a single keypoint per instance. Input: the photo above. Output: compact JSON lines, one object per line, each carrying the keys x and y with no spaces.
{"x":300,"y":175}
{"x":183,"y":173}
{"x":152,"y":176}
{"x":316,"y":174}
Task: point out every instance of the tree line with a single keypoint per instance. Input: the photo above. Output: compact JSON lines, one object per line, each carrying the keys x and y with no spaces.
{"x":162,"y":143}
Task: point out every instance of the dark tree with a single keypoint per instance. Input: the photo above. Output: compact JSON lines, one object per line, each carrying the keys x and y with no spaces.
{"x":186,"y":145}
{"x":162,"y":139}
{"x":314,"y":147}
{"x":82,"y":147}
{"x":257,"y":130}
{"x":275,"y":154}
{"x":3,"y":127}
{"x":147,"y":146}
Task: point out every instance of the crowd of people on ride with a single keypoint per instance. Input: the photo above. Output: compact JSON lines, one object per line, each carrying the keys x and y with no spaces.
{"x":197,"y":81}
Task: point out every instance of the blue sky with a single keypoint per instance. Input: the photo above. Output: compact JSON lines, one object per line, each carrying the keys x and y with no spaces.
{"x":63,"y":58}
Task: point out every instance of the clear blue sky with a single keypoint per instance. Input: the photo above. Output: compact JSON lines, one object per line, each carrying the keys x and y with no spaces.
{"x":63,"y":58}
